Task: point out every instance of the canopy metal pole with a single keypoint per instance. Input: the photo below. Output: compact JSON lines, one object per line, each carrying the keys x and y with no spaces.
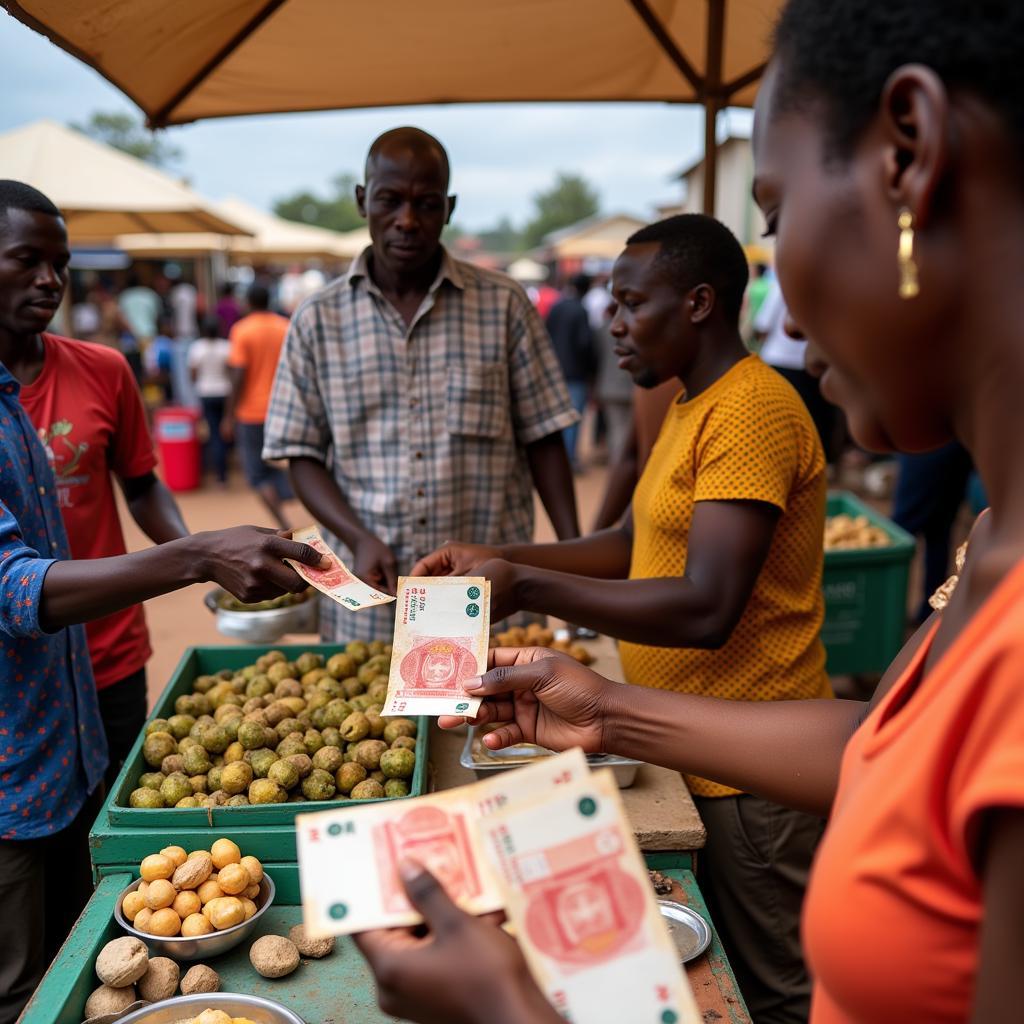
{"x":712,"y":98}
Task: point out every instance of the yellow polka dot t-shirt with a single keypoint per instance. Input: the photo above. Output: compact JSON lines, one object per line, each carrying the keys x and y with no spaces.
{"x":748,"y":437}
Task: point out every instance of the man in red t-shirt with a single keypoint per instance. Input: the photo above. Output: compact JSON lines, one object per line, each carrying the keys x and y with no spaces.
{"x":88,"y":412}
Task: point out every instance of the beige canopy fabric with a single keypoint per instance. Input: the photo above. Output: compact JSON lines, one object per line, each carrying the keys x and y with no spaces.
{"x":602,"y":237}
{"x":272,"y":239}
{"x":101,"y":191}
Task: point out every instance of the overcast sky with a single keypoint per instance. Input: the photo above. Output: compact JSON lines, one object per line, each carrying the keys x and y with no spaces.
{"x":501,"y":154}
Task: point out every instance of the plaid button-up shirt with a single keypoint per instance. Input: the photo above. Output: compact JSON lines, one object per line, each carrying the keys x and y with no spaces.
{"x":424,"y":426}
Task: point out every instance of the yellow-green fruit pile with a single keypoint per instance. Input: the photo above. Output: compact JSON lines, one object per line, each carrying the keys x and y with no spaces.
{"x":281,"y":731}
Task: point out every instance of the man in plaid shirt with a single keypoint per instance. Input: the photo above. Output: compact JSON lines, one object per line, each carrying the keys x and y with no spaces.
{"x":418,"y":395}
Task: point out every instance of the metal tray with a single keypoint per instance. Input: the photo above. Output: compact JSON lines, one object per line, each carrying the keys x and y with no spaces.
{"x":255,"y":1008}
{"x":690,"y":933}
{"x":623,"y":768}
{"x":264,"y":627}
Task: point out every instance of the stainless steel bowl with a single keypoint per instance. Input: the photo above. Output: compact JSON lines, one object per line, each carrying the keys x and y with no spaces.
{"x":689,"y":931}
{"x":199,"y":947}
{"x":265,"y":627}
{"x":170,"y":1011}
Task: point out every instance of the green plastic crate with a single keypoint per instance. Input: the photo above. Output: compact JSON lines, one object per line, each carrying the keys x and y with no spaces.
{"x":865,"y":595}
{"x":266,"y":831}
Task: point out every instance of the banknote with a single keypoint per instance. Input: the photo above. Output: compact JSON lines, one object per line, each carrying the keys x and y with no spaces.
{"x":442,"y":627}
{"x":578,"y":897}
{"x":348,"y":858}
{"x":337,"y":582}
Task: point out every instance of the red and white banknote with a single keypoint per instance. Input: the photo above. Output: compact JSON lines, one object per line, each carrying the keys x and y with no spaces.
{"x":337,"y":582}
{"x":442,"y":628}
{"x":579,"y":900}
{"x":348,"y":858}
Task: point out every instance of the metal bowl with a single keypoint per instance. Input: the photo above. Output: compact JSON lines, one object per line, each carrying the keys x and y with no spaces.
{"x":199,"y":947}
{"x":690,"y":933}
{"x":170,"y":1011}
{"x":265,"y":627}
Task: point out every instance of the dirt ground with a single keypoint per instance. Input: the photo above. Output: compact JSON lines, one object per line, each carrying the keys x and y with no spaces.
{"x":180,"y":620}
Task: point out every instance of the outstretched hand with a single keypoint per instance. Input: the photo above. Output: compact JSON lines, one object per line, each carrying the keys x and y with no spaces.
{"x":454,"y":558}
{"x":540,"y":696}
{"x":464,"y":970}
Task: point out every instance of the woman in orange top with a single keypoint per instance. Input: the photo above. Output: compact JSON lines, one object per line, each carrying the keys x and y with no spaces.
{"x":889,"y":143}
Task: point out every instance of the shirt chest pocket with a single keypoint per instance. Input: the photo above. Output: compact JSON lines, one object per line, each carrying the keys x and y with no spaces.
{"x":476,"y":399}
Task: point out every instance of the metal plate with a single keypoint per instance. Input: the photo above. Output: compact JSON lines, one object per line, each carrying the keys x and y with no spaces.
{"x":690,"y":932}
{"x":264,"y":627}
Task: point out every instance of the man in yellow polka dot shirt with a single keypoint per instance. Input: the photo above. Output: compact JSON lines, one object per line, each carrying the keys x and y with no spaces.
{"x":713,"y":581}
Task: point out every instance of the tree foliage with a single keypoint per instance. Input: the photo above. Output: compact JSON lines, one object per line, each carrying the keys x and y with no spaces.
{"x":569,"y":199}
{"x":127,"y":133}
{"x":337,"y":210}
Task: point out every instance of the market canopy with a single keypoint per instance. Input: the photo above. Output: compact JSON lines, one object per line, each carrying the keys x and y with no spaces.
{"x":599,"y":238}
{"x":193,"y":59}
{"x":101,"y":191}
{"x":271,"y":238}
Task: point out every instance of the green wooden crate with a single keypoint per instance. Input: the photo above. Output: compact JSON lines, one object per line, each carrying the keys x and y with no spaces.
{"x":337,"y":989}
{"x":266,"y":831}
{"x":865,"y":595}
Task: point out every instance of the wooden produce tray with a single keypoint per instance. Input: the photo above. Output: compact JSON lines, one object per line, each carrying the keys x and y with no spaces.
{"x":336,"y":990}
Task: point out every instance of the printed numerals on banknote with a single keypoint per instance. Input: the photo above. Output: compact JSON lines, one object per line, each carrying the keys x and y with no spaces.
{"x":348,"y":858}
{"x":337,"y":582}
{"x":577,"y":894}
{"x":442,"y":627}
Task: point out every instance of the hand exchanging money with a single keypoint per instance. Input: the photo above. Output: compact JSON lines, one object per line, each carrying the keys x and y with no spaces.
{"x":454,"y":558}
{"x":465,"y":970}
{"x":541,"y":696}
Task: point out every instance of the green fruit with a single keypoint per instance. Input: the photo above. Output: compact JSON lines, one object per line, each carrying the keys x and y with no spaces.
{"x":330,"y":686}
{"x":368,"y":753}
{"x":172,"y":763}
{"x":261,"y":760}
{"x":339,"y":666}
{"x":331,"y":737}
{"x":288,"y":688}
{"x":396,"y":788}
{"x":199,"y":705}
{"x":349,"y":775}
{"x":287,"y":726}
{"x":399,"y":727}
{"x":378,"y":691}
{"x":285,"y":774}
{"x":355,"y":728}
{"x":157,"y":725}
{"x":358,"y":650}
{"x":398,"y":764}
{"x":367,"y":673}
{"x":403,"y":743}
{"x":230,"y":726}
{"x":215,"y":739}
{"x":293,"y":744}
{"x":216,"y":799}
{"x":258,"y":686}
{"x":378,"y":776}
{"x":251,"y":735}
{"x":377,"y":724}
{"x":196,"y":761}
{"x":368,"y":789}
{"x":334,"y":714}
{"x":235,"y":752}
{"x":308,"y":662}
{"x":277,"y":711}
{"x":353,"y":687}
{"x":238,"y":800}
{"x":313,"y":740}
{"x":330,"y":759}
{"x":151,"y":780}
{"x":362,"y":703}
{"x":145,"y":797}
{"x":204,"y":683}
{"x":280,"y":670}
{"x":318,"y":785}
{"x":157,"y":746}
{"x":188,"y":801}
{"x":174,"y":788}
{"x":375,"y":647}
{"x":187,"y":743}
{"x":266,"y":791}
{"x":302,"y":762}
{"x":199,"y":783}
{"x":179,"y":725}
{"x":215,"y":778}
{"x":235,"y":778}
{"x":317,"y":699}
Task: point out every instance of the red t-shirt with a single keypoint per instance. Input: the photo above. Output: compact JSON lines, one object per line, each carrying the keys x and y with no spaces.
{"x":88,"y":412}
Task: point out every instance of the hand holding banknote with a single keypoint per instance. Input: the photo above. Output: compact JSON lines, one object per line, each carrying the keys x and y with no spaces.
{"x":464,"y":970}
{"x":540,"y":696}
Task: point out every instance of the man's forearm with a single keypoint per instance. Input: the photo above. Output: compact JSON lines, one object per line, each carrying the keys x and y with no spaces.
{"x":786,"y":751}
{"x":157,"y":514}
{"x":552,"y":477}
{"x":317,"y":489}
{"x":87,"y":589}
{"x":670,"y":612}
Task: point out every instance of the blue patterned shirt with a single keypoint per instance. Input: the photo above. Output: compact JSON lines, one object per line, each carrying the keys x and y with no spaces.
{"x":53,"y":751}
{"x":424,"y":426}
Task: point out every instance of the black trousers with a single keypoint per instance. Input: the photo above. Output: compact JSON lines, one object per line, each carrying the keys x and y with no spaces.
{"x":44,"y":885}
{"x":123,"y":708}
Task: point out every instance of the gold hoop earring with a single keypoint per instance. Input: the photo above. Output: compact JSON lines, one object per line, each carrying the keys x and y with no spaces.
{"x":909,"y":286}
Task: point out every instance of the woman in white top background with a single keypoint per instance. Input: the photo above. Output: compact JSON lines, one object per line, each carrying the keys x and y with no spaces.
{"x":208,"y":362}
